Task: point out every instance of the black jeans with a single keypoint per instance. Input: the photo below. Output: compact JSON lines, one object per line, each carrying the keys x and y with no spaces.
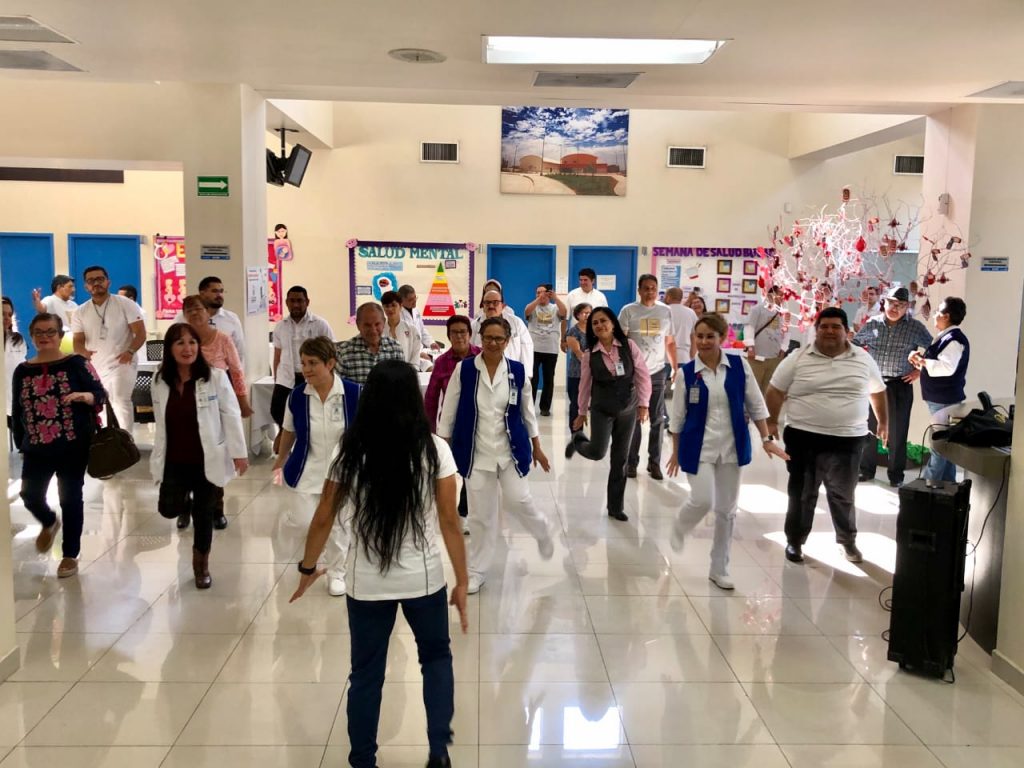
{"x":900,"y":398}
{"x":572,"y":386}
{"x":815,"y":459}
{"x":37,"y":470}
{"x":181,"y":480}
{"x":370,"y":623}
{"x":546,"y":362}
{"x":617,"y":429}
{"x":655,"y":415}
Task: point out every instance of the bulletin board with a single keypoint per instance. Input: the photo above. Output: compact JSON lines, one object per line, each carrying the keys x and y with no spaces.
{"x":441,"y":273}
{"x":727,"y":277}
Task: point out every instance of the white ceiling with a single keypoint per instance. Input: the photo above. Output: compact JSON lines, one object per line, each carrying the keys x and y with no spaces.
{"x":910,"y":56}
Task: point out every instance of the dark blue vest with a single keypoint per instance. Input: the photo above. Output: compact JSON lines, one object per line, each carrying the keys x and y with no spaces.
{"x":691,"y":440}
{"x":298,"y":403}
{"x":946,"y":389}
{"x":464,"y":431}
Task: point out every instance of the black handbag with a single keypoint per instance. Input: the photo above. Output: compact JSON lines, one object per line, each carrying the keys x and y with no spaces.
{"x":985,"y":427}
{"x":112,"y":449}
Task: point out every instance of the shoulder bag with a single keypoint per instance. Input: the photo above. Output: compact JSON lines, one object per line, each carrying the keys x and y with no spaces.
{"x":112,"y":449}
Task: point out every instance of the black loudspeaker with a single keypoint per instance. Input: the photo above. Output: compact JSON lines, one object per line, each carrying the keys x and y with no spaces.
{"x":931,"y":545}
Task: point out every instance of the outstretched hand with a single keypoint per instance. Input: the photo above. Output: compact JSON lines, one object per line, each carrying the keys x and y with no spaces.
{"x":774,"y":449}
{"x":305,"y":582}
{"x":458,"y":599}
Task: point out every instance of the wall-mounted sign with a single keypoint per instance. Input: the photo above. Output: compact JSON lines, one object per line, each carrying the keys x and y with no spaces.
{"x":212,"y":186}
{"x":995,"y":264}
{"x":215,"y":252}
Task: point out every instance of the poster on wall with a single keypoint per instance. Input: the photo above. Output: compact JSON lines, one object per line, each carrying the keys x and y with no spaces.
{"x":441,"y":273}
{"x":169,"y":268}
{"x":564,"y":151}
{"x":715,"y":271}
{"x":275,"y":299}
{"x":256,"y":284}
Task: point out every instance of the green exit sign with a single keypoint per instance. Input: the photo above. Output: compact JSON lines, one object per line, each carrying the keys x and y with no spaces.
{"x":212,"y":186}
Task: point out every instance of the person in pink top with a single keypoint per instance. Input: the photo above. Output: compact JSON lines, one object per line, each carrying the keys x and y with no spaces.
{"x":614,"y":380}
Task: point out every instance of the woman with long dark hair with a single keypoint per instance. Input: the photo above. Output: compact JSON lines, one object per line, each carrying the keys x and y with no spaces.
{"x":199,"y":444}
{"x":56,"y":401}
{"x":15,"y":351}
{"x":616,"y":386}
{"x":388,"y":475}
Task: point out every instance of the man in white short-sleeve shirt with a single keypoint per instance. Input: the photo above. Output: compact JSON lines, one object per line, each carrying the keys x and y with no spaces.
{"x":108,"y":331}
{"x":649,"y":324}
{"x":587,"y":292}
{"x":59,"y":302}
{"x":684,"y":320}
{"x":827,"y":388}
{"x":769,"y":334}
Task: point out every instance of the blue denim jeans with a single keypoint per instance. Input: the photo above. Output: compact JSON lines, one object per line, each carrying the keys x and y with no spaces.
{"x":370,"y":623}
{"x":939,"y":468}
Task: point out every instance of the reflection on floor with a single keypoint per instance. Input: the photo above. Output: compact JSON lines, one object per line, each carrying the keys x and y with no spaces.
{"x":616,"y":652}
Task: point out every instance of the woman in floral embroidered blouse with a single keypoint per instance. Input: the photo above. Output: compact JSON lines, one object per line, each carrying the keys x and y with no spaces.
{"x":54,"y":410}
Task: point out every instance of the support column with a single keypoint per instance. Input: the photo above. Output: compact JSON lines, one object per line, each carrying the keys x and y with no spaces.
{"x":230,"y":141}
{"x":10,"y":657}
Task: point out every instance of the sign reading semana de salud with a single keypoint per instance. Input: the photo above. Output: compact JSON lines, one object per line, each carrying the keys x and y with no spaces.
{"x":212,"y":186}
{"x":441,"y":273}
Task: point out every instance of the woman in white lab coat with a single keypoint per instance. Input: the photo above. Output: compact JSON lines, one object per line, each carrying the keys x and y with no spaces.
{"x":199,"y":443}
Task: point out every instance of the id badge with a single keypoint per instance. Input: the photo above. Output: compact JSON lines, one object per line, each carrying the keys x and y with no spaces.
{"x":513,"y":396}
{"x":694,"y":398}
{"x":337,"y":412}
{"x":620,"y":369}
{"x":103,"y":333}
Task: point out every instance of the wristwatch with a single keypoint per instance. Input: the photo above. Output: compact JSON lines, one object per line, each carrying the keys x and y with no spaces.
{"x":306,"y":571}
{"x":768,"y":439}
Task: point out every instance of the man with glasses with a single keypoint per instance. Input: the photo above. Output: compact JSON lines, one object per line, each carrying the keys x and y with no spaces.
{"x":520,"y":343}
{"x":890,"y":338}
{"x":108,"y":331}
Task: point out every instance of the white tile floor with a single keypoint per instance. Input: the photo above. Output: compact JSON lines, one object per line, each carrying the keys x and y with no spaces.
{"x":616,"y":652}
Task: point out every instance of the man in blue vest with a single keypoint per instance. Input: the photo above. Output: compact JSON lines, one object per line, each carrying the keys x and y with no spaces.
{"x":943,"y":368}
{"x":827,"y":387}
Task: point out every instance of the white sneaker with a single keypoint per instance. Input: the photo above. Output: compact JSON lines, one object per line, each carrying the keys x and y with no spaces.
{"x":465,"y":526}
{"x":546,"y":548}
{"x":475,"y":582}
{"x":722,"y":582}
{"x":335,"y":583}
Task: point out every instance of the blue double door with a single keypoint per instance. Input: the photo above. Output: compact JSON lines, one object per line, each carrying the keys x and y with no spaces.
{"x":613,"y":264}
{"x":26,"y":263}
{"x":118,"y":254}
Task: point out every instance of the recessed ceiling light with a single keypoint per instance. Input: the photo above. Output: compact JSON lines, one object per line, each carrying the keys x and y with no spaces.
{"x":596,"y":50}
{"x":417,"y":56}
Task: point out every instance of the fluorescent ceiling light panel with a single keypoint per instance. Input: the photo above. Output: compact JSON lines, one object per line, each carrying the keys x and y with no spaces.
{"x":596,"y":50}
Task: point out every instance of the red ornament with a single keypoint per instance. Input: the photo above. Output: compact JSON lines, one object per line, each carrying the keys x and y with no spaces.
{"x":861,"y":245}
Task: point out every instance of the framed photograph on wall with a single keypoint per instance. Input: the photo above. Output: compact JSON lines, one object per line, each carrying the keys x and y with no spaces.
{"x":724,"y":285}
{"x":748,"y":305}
{"x":749,"y":267}
{"x":749,"y":285}
{"x":725,"y":266}
{"x":722,"y":306}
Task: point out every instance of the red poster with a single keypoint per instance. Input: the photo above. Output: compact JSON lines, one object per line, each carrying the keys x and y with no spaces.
{"x":169,"y":267}
{"x":275,"y":298}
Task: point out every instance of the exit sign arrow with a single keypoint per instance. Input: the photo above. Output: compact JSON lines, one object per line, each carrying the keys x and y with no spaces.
{"x":212,"y":186}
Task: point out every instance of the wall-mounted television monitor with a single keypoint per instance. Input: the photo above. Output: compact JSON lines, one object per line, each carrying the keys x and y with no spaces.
{"x":295,"y":166}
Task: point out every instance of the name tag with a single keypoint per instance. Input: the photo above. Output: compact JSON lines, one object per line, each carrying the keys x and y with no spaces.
{"x":694,"y":395}
{"x":103,"y":333}
{"x":513,"y":396}
{"x":336,"y":412}
{"x":620,"y":369}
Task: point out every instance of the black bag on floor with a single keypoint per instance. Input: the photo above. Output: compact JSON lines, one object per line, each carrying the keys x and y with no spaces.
{"x":112,"y":449}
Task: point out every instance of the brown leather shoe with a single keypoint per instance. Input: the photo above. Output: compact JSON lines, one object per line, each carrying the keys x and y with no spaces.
{"x":201,"y":569}
{"x":46,"y":536}
{"x":68,"y":567}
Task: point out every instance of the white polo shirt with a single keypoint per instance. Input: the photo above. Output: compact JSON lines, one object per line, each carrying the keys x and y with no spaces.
{"x":683,"y":321}
{"x":492,"y":450}
{"x":828,"y":395}
{"x":578,"y":296}
{"x":288,"y":337}
{"x":418,"y":571}
{"x":107,"y":329}
{"x":326,"y":423}
{"x":55,"y":305}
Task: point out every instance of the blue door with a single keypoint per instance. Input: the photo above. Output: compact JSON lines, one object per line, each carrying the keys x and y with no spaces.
{"x":520,"y":269}
{"x":26,"y":262}
{"x":118,"y":254}
{"x":607,"y":260}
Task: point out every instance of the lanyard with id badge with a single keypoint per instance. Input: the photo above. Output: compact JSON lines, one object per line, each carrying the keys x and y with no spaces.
{"x":693,"y":397}
{"x":336,"y":410}
{"x":513,"y":391}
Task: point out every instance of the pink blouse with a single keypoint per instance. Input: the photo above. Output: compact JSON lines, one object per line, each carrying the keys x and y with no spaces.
{"x":641,"y":376}
{"x":221,"y":353}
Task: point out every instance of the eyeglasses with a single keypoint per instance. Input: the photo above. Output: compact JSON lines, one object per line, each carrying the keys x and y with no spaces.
{"x":494,"y":339}
{"x":45,"y":334}
{"x":492,"y":303}
{"x":96,"y":280}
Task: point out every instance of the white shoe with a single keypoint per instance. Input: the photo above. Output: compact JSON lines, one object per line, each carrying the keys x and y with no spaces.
{"x":475,"y":582}
{"x":722,"y":582}
{"x":465,"y":526}
{"x":335,"y":583}
{"x":546,"y":548}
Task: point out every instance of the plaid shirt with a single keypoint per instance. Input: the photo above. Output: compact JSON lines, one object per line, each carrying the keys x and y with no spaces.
{"x":890,"y":345}
{"x":355,"y":359}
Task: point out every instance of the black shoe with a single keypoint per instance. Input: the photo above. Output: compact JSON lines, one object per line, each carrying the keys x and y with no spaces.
{"x":220,"y":522}
{"x":545,"y":413}
{"x":621,"y":516}
{"x":439,"y":762}
{"x":852,"y":553}
{"x":183,"y":520}
{"x":570,"y":448}
{"x":895,"y":482}
{"x":864,"y":477}
{"x":631,"y":472}
{"x":654,"y":470}
{"x":793,"y":553}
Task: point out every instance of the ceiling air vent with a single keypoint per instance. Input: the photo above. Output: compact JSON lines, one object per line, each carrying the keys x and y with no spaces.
{"x":908,"y":165}
{"x":439,"y":152}
{"x":25,"y":29}
{"x":686,"y":157}
{"x":585,"y":79}
{"x":37,"y":60}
